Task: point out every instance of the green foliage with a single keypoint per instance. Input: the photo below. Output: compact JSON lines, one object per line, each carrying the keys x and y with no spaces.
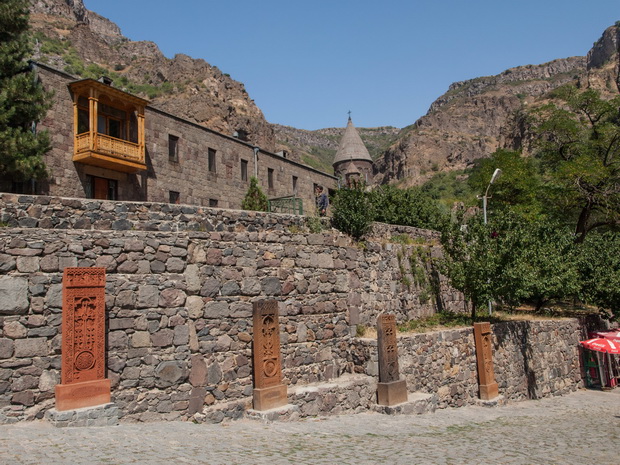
{"x":406,"y":207}
{"x":23,"y":101}
{"x":579,"y":148}
{"x":353,"y":210}
{"x":518,"y":188}
{"x":254,"y":199}
{"x":599,"y":271}
{"x":314,"y":224}
{"x":449,"y":187}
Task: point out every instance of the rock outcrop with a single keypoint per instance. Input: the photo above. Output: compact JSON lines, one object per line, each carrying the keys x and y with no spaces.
{"x":477,"y":117}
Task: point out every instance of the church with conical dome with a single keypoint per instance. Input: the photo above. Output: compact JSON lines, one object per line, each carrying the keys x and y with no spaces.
{"x":352,"y":161}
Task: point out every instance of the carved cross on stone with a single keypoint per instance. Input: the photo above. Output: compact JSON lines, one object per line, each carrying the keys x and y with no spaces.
{"x":83,"y":340}
{"x":391,"y":390}
{"x":484,"y":358}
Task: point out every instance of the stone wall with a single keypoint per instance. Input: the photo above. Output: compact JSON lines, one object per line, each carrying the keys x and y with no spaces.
{"x":188,"y":175}
{"x":180,"y":286}
{"x":532,"y":359}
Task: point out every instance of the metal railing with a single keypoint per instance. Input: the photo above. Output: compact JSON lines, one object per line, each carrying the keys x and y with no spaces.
{"x":288,"y":204}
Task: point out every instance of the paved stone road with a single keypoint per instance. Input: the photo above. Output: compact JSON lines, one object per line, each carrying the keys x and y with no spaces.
{"x":581,"y":428}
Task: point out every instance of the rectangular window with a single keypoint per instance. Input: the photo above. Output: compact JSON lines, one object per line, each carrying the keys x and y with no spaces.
{"x":101,"y":188}
{"x":244,"y":170}
{"x":173,"y":148}
{"x":270,"y":178}
{"x":213,"y":203}
{"x":294,"y":185}
{"x":174,"y":197}
{"x":212,"y":161}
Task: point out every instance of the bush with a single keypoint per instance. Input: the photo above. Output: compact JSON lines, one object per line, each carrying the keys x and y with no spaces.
{"x":353,"y":210}
{"x":255,"y":199}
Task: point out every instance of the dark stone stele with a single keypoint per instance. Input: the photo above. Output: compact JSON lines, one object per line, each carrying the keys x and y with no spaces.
{"x":83,"y":382}
{"x":484,"y":357}
{"x":269,"y":392}
{"x":391,"y":390}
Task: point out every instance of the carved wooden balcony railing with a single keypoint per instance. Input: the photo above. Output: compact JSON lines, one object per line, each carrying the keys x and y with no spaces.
{"x":109,"y":152}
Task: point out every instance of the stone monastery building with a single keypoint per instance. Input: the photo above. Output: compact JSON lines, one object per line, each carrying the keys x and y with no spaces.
{"x":109,"y":144}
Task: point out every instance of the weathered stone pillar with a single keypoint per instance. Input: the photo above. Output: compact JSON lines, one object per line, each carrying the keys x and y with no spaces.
{"x":484,"y":357}
{"x":269,"y":392}
{"x":83,"y":340}
{"x":391,"y":390}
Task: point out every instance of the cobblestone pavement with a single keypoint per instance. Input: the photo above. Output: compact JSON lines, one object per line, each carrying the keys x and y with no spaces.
{"x":581,"y":428}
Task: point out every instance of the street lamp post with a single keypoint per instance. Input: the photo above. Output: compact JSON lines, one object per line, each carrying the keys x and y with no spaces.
{"x":495,"y":175}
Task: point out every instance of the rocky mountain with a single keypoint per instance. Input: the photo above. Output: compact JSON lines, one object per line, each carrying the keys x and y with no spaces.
{"x":476,"y":117}
{"x":85,"y":44}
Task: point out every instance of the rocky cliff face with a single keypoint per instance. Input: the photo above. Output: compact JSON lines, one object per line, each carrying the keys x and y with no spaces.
{"x":193,"y":89}
{"x":476,"y":117}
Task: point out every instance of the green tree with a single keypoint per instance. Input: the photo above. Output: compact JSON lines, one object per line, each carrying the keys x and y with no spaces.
{"x":407,"y":207}
{"x":22,"y":98}
{"x":599,"y":271}
{"x":469,"y":260}
{"x":518,"y":188}
{"x":579,"y":147}
{"x":353,"y":210}
{"x":254,"y":198}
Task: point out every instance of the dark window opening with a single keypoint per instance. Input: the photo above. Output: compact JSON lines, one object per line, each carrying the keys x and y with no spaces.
{"x":294,"y":185}
{"x":244,"y":170}
{"x":173,"y":148}
{"x":212,"y":161}
{"x":213,"y":203}
{"x":270,"y":178}
{"x":174,"y":197}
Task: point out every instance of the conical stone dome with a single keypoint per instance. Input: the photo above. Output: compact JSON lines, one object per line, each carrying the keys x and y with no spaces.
{"x":351,"y":146}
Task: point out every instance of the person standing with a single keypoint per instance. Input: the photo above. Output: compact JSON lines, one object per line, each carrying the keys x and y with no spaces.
{"x":322,"y":201}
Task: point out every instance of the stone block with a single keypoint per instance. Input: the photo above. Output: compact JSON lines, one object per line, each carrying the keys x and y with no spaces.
{"x":13,"y":295}
{"x":392,"y":393}
{"x":270,"y":397}
{"x":82,"y":394}
{"x":35,"y":347}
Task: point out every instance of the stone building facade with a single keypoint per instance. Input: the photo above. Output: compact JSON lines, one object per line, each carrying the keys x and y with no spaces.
{"x":183,"y":162}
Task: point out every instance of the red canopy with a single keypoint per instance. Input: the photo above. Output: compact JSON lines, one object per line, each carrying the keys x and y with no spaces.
{"x":600,"y":344}
{"x":612,"y":334}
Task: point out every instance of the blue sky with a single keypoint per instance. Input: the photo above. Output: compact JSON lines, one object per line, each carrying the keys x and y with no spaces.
{"x":306,"y":64}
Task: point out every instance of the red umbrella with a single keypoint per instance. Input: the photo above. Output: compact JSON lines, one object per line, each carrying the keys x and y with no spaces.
{"x":600,"y":344}
{"x":613,"y":334}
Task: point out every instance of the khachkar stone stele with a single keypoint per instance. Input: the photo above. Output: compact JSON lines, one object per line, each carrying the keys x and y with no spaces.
{"x":484,"y":357}
{"x":83,"y":340}
{"x":391,"y":390}
{"x":269,"y":392}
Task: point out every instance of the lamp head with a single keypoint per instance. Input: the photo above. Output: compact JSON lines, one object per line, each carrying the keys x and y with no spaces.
{"x":496,"y":175}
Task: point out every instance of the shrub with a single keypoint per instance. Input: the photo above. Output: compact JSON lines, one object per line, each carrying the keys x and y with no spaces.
{"x":255,"y":199}
{"x":353,"y":210}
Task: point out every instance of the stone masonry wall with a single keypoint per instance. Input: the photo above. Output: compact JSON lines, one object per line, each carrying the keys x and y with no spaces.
{"x":532,"y":359}
{"x":179,"y":299}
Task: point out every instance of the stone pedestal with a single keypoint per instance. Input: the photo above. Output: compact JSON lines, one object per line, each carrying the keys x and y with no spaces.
{"x":102,"y":415}
{"x":269,"y":392}
{"x":83,"y":381}
{"x":80,"y":395}
{"x":484,"y":358}
{"x":391,"y":390}
{"x":269,"y":398}
{"x":392,"y":393}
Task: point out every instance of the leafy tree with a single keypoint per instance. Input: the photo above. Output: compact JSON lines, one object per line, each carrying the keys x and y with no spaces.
{"x":599,"y":271}
{"x":254,"y":198}
{"x":518,"y":188}
{"x":579,"y":147}
{"x":535,"y":261}
{"x":353,"y":210}
{"x":469,"y":261}
{"x":407,"y":207}
{"x":22,"y":98}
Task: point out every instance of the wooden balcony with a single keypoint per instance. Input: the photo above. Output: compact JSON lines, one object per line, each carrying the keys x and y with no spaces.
{"x":109,"y":152}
